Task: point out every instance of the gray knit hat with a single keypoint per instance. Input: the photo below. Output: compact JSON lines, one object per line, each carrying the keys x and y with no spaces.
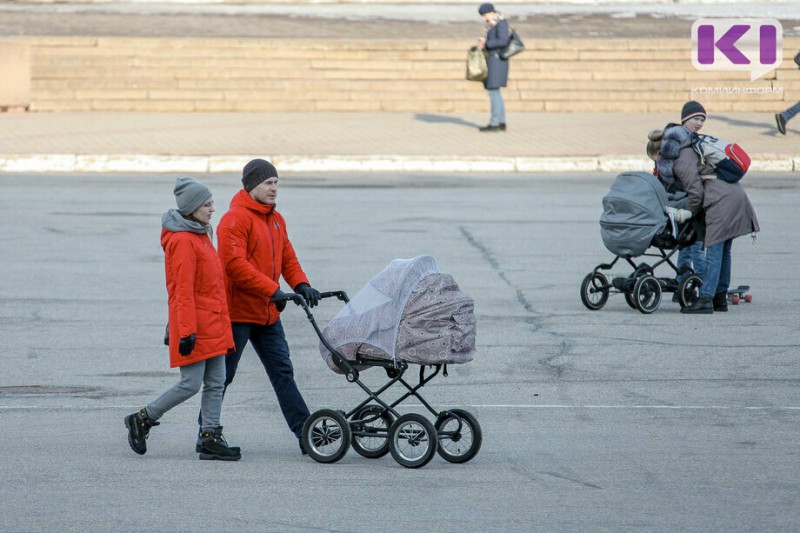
{"x":257,"y":171}
{"x":190,"y":195}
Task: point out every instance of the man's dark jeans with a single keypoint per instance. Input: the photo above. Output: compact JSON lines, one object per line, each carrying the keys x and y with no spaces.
{"x":270,"y":345}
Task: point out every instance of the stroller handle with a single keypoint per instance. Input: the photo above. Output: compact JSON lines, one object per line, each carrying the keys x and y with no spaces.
{"x":299,"y":300}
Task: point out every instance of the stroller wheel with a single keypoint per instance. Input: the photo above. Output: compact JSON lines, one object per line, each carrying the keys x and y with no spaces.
{"x":412,"y":440}
{"x":459,"y":435}
{"x":689,"y":290}
{"x":370,"y":430}
{"x":326,"y":436}
{"x":594,"y":291}
{"x":647,"y":294}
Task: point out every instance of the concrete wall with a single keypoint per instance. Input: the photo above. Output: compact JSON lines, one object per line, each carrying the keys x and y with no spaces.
{"x":15,"y":75}
{"x":579,"y":75}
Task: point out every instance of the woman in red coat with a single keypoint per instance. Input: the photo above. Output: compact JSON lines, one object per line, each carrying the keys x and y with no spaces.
{"x":199,"y":330}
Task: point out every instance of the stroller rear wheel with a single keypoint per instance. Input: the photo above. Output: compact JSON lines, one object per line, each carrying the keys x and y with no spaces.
{"x":412,"y":440}
{"x":459,"y":435}
{"x":594,"y":291}
{"x":370,"y":431}
{"x":647,"y":294}
{"x":326,"y":436}
{"x":689,"y":290}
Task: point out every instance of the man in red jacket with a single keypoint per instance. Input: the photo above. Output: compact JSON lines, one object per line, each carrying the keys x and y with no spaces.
{"x":255,"y":252}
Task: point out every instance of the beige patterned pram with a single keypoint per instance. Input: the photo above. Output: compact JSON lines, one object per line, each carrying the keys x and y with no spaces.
{"x":409,"y":313}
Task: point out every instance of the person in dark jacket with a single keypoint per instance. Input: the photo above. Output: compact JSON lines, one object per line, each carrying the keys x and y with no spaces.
{"x":728,"y":211}
{"x":497,"y":38}
{"x":199,"y":329}
{"x":255,"y":251}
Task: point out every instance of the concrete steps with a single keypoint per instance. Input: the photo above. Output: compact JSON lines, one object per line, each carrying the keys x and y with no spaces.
{"x":602,"y":75}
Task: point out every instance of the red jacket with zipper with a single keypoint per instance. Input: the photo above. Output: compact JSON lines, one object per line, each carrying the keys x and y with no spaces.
{"x":196,"y":297}
{"x":255,"y":252}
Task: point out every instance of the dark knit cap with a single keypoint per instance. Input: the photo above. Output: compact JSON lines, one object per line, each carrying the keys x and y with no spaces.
{"x":257,"y":171}
{"x":190,"y":195}
{"x":692,"y":109}
{"x":485,"y":8}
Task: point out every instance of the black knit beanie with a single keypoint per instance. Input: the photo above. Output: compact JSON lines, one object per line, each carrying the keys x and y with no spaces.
{"x":692,"y":109}
{"x":485,"y":8}
{"x":257,"y":171}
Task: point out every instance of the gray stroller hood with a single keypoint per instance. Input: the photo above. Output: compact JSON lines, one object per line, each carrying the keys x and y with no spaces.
{"x":409,"y":312}
{"x":633,"y":213}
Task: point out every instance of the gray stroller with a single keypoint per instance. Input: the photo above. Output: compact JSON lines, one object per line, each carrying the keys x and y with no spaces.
{"x":633,"y":222}
{"x":408,"y":314}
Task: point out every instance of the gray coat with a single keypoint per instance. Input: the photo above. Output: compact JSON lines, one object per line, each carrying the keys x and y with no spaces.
{"x":497,"y":38}
{"x":728,"y":211}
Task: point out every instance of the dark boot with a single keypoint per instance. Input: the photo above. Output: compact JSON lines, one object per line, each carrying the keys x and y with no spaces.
{"x":139,"y":425}
{"x":702,"y":306}
{"x":720,"y":302}
{"x":199,"y":443}
{"x":213,"y":446}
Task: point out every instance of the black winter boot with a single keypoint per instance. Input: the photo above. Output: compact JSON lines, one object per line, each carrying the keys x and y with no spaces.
{"x":702,"y":306}
{"x":139,"y":425}
{"x":720,"y":302}
{"x":199,"y":443}
{"x":213,"y":446}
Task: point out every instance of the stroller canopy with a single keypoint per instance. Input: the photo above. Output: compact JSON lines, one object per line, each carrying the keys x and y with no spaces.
{"x":409,"y":311}
{"x":633,"y":213}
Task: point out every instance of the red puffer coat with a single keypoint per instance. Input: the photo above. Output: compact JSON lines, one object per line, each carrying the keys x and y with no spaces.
{"x":255,"y":252}
{"x":197,"y":301}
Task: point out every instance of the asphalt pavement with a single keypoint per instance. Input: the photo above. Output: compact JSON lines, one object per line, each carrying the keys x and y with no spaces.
{"x":592,"y":420}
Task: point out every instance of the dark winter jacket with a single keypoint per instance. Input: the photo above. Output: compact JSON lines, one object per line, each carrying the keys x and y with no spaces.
{"x":728,"y":211}
{"x":497,"y":38}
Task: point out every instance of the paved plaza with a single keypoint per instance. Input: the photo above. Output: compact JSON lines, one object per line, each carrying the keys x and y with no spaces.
{"x":592,"y":420}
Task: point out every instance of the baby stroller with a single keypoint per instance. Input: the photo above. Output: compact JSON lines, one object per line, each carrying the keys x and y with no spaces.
{"x":408,"y":314}
{"x":633,"y":220}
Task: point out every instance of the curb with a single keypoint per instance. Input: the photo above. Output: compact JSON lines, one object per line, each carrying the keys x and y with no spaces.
{"x":341,"y":163}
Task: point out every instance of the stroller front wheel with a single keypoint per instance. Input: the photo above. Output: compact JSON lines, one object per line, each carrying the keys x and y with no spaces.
{"x":459,"y":435}
{"x":326,"y":436}
{"x":594,"y":291}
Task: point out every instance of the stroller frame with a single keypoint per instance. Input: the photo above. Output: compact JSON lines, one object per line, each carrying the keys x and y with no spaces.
{"x":642,"y":289}
{"x":374,"y":427}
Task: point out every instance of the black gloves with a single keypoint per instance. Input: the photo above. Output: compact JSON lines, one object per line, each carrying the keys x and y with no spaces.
{"x":166,"y":335}
{"x":309,"y":294}
{"x":278,"y":299}
{"x":187,"y":345}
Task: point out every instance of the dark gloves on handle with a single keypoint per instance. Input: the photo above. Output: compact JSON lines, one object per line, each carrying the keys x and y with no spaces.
{"x":279,"y":299}
{"x":309,"y":294}
{"x":186,"y":345}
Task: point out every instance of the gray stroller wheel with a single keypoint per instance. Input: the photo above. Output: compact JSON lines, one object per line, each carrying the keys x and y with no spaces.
{"x":689,"y":290}
{"x":371,"y":435}
{"x":326,"y":436}
{"x":459,"y":435}
{"x":594,"y":291}
{"x":647,"y":294}
{"x":412,"y":440}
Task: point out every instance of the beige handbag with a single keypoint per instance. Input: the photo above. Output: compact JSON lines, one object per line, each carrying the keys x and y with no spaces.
{"x":477,"y":68}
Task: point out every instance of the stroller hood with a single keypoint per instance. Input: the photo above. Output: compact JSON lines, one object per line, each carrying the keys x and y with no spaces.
{"x":409,"y":311}
{"x":633,"y":213}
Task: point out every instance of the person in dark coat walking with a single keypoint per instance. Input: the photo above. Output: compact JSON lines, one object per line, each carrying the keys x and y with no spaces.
{"x":497,"y":38}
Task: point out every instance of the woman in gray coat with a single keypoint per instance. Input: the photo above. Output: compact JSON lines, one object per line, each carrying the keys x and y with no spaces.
{"x":728,"y":211}
{"x":497,"y":37}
